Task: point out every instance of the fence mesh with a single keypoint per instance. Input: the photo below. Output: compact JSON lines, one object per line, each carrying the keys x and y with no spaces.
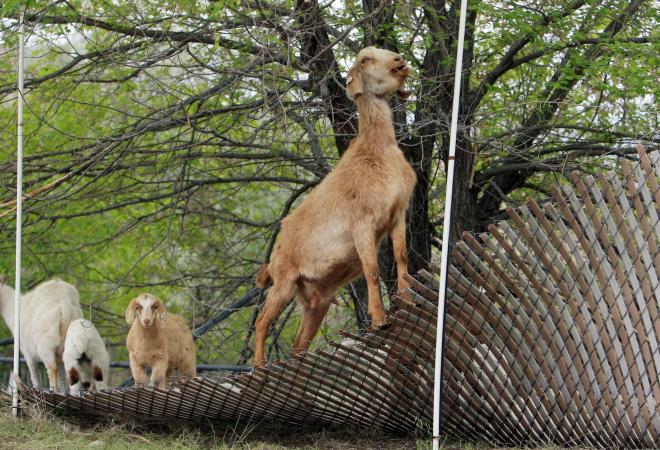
{"x":552,"y":323}
{"x":552,"y":330}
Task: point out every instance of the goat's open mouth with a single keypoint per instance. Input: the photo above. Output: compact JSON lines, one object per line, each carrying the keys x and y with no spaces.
{"x":401,"y":69}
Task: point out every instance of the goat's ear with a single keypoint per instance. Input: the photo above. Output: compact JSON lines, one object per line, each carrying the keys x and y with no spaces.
{"x":163,"y":313}
{"x":129,"y":314}
{"x":354,"y":86}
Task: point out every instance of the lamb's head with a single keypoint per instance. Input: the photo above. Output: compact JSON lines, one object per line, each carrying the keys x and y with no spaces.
{"x":148,"y":308}
{"x":377,"y":72}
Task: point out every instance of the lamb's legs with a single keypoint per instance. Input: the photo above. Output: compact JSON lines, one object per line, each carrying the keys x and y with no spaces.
{"x":313,"y":315}
{"x":398,"y":236}
{"x":137,"y":370}
{"x":187,"y":369}
{"x":278,"y":297}
{"x":158,"y":373}
{"x":368,"y":253}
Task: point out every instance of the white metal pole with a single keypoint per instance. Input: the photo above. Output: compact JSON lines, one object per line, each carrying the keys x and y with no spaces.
{"x":19,"y":210}
{"x":437,"y":385}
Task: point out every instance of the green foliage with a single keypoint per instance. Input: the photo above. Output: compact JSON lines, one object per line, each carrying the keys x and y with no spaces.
{"x":181,"y":154}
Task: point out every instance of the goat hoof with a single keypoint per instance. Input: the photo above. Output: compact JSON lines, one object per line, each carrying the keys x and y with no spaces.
{"x":379,"y":324}
{"x":407,"y":297}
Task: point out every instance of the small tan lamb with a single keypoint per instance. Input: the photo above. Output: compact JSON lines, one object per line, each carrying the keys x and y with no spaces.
{"x":158,"y":340}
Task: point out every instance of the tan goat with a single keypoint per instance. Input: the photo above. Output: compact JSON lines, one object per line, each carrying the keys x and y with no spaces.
{"x":158,"y":340}
{"x":334,"y":235}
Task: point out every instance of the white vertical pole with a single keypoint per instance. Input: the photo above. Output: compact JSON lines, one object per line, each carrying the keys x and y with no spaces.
{"x":19,"y":210}
{"x":437,"y":385}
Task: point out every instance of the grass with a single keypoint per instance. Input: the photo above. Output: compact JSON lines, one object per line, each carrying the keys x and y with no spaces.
{"x":41,"y":429}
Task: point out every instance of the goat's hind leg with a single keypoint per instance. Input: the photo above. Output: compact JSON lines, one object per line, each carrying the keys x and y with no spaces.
{"x":315,"y":309}
{"x":279,"y":296}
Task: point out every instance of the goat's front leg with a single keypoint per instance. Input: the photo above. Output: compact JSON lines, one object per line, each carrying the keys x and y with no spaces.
{"x":33,"y":366}
{"x":159,"y":372}
{"x":51,"y":369}
{"x":50,"y":361}
{"x":367,"y":250}
{"x":398,"y":236}
{"x":62,"y":385}
{"x":48,"y":356}
{"x":137,"y":370}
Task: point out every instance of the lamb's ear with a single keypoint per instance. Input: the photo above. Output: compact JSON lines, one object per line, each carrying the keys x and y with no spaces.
{"x":163,"y":313}
{"x":354,"y":85}
{"x":129,"y":314}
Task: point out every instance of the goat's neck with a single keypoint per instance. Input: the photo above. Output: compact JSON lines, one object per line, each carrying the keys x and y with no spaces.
{"x":375,"y":121}
{"x":7,"y":306}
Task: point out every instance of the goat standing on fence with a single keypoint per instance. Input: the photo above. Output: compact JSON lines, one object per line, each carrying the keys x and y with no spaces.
{"x":86,"y":359}
{"x":334,"y":235}
{"x":46,"y":312}
{"x":158,"y":340}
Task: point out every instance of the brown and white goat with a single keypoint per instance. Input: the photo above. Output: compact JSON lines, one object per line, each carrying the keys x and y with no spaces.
{"x":334,"y":235}
{"x":158,"y":340}
{"x":85,"y":357}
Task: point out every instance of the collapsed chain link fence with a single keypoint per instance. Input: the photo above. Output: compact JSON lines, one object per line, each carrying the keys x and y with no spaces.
{"x":552,"y":331}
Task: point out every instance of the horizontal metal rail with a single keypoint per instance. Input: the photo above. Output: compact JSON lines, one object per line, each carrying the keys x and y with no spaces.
{"x":126,"y":365}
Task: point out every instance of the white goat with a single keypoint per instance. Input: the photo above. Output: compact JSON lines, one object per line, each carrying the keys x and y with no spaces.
{"x":85,"y":358}
{"x":46,"y":312}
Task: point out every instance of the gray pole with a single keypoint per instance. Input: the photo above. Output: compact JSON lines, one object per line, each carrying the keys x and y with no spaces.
{"x":437,"y":385}
{"x":19,"y":211}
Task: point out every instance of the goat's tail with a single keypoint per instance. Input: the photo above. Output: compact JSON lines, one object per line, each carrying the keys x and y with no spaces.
{"x":263,"y":277}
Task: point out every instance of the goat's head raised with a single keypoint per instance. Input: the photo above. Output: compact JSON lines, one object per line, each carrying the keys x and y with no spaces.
{"x":148,"y":308}
{"x":377,"y":72}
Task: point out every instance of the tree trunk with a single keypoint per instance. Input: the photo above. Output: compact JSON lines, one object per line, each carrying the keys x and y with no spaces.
{"x":465,"y":214}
